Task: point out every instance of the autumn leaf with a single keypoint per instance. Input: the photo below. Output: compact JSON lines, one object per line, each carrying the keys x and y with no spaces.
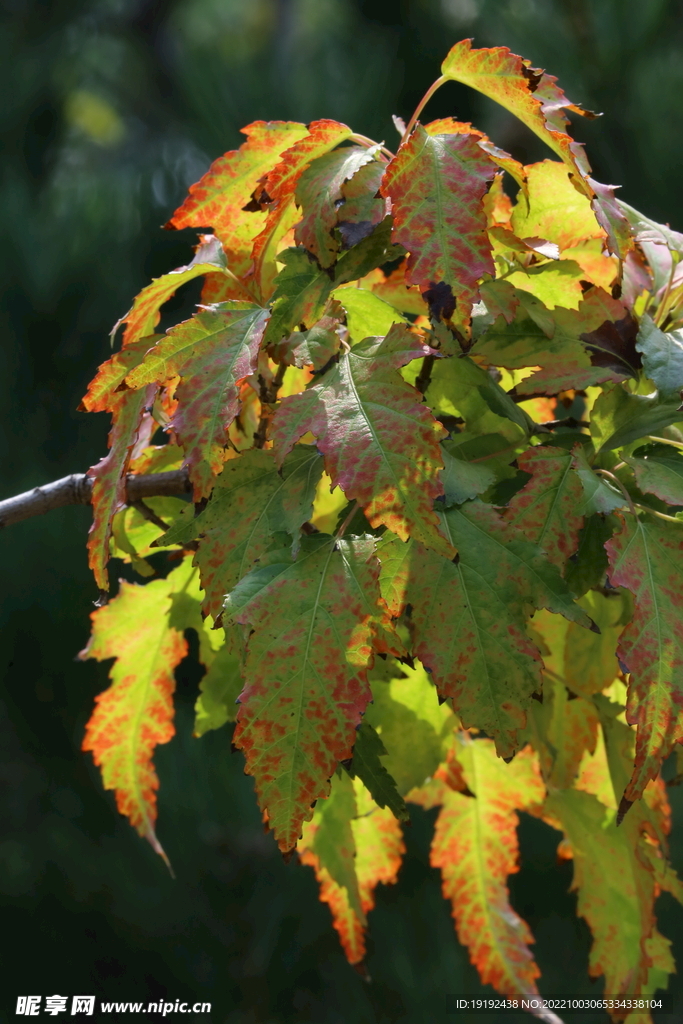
{"x":136,"y":712}
{"x":545,"y":510}
{"x":353,"y":839}
{"x":553,"y":208}
{"x":278,"y":188}
{"x":220,"y":196}
{"x":319,"y":194}
{"x":301,"y":293}
{"x":143,"y":316}
{"x":475,"y":846}
{"x":647,"y":558}
{"x":304,"y":697}
{"x":436,"y":183}
{"x":367,"y":766}
{"x":379,"y":440}
{"x":467,"y":616}
{"x":109,"y":475}
{"x":212,"y":353}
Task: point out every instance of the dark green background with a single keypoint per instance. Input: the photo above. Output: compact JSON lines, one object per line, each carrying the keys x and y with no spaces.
{"x":109,"y":110}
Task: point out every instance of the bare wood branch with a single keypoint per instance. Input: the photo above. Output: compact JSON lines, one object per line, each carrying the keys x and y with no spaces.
{"x":76,"y":489}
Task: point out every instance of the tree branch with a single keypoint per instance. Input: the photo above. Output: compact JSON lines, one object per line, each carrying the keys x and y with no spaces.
{"x":77,"y":490}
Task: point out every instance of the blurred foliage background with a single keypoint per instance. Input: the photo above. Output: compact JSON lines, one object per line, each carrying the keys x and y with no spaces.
{"x":109,"y":109}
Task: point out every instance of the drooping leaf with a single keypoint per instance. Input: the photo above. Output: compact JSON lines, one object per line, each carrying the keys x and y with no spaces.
{"x":618,"y":417}
{"x":109,"y":475}
{"x":662,"y":358}
{"x":143,"y":316}
{"x":468,"y":616}
{"x":599,"y":495}
{"x":379,"y":440}
{"x":436,"y":184}
{"x":366,"y":766}
{"x":318,"y":193}
{"x":312,"y":625}
{"x":615,"y":890}
{"x":590,"y":661}
{"x":212,"y":353}
{"x":219,"y":197}
{"x":660,"y":471}
{"x":366,"y":314}
{"x":250,"y":504}
{"x":219,"y":689}
{"x":565,"y":730}
{"x":278,"y":189}
{"x":546,"y":510}
{"x":377,"y":851}
{"x":647,"y":558}
{"x":136,"y":712}
{"x":475,"y":846}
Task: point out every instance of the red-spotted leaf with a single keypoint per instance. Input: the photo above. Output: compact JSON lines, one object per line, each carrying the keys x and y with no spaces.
{"x":278,"y":188}
{"x":314,"y":347}
{"x":311,"y":625}
{"x":109,"y":475}
{"x":475,"y":846}
{"x":212,"y":353}
{"x":373,"y":856}
{"x":647,"y":558}
{"x":319,"y":193}
{"x":436,"y":184}
{"x":467,"y":616}
{"x":546,"y":508}
{"x":380,"y":442}
{"x":143,"y":316}
{"x":136,"y":712}
{"x":449,"y":126}
{"x":250,"y":503}
{"x":219,"y":197}
{"x":101,"y":395}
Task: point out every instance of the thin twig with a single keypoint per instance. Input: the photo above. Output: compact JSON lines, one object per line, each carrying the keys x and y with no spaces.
{"x":660,"y":515}
{"x":149,"y":514}
{"x":663,"y":440}
{"x":424,"y":377}
{"x":344,"y":526}
{"x":76,"y":489}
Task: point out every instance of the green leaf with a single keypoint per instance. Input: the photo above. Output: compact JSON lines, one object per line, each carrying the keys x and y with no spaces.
{"x":371,"y":252}
{"x":250,"y":504}
{"x":647,"y":558}
{"x":598,"y":494}
{"x":366,"y":314}
{"x":301,"y":293}
{"x":460,"y":387}
{"x":660,"y":472}
{"x":588,"y":566}
{"x":311,"y":625}
{"x":380,"y":442}
{"x":314,"y":347}
{"x":436,"y":184}
{"x":219,"y":689}
{"x":590,"y":661}
{"x":363,"y":208}
{"x":319,"y":192}
{"x":556,"y":283}
{"x":463,"y":480}
{"x":662,"y":358}
{"x":366,"y":766}
{"x":618,"y":417}
{"x":334,"y":843}
{"x":212,"y":353}
{"x":613,"y":886}
{"x":413,"y":727}
{"x":468,"y":616}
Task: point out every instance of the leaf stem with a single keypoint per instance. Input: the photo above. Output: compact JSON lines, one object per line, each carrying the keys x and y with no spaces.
{"x":363,"y":140}
{"x":424,"y":377}
{"x":617,"y":481}
{"x":347,"y":520}
{"x":663,"y":440}
{"x":660,"y":515}
{"x":422,"y":104}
